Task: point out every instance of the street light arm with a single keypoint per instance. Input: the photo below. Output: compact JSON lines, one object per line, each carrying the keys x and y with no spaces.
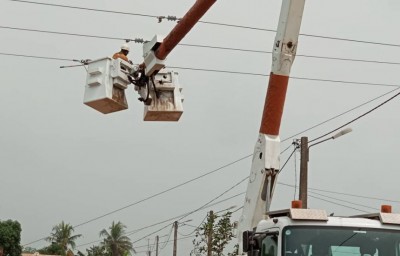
{"x":319,"y":142}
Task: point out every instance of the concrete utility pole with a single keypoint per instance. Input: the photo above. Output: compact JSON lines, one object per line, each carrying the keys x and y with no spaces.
{"x":175,"y":237}
{"x":210,"y":234}
{"x":303,"y":171}
{"x":157,"y":239}
{"x":148,"y":247}
{"x":304,"y":158}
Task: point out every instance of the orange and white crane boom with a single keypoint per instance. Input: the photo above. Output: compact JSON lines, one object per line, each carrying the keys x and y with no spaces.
{"x":156,"y":51}
{"x":266,"y":163}
{"x":183,"y":27}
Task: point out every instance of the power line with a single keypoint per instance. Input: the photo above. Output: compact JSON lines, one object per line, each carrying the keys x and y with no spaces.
{"x":86,"y":9}
{"x":176,"y":217}
{"x":220,"y":71}
{"x":228,"y":72}
{"x":129,"y":233}
{"x":337,"y":203}
{"x":186,"y":215}
{"x":287,"y":160}
{"x":339,"y":115}
{"x":233,"y":72}
{"x":152,"y":196}
{"x":316,"y":197}
{"x":208,"y":22}
{"x":66,"y":33}
{"x":167,"y":240}
{"x":35,"y":57}
{"x":341,"y":193}
{"x":223,"y":193}
{"x":360,"y":116}
{"x":353,"y":195}
{"x":292,"y":77}
{"x":141,"y":40}
{"x":196,"y":227}
{"x":341,"y":200}
{"x":182,"y":238}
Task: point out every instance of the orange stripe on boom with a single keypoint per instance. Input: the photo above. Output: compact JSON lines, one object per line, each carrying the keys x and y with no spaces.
{"x":183,"y":27}
{"x":274,"y":103}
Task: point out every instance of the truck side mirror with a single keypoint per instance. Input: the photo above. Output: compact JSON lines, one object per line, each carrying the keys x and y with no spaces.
{"x":250,"y":243}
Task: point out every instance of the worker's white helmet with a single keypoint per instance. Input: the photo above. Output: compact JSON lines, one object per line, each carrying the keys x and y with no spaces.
{"x":125,"y":47}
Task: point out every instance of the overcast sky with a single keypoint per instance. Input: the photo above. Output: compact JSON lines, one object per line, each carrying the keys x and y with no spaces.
{"x":61,"y":160}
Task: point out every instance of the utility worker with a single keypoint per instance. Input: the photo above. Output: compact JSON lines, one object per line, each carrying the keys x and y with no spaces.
{"x":123,"y":54}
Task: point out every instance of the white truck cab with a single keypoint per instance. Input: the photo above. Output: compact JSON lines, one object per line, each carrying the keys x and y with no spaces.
{"x":309,"y":232}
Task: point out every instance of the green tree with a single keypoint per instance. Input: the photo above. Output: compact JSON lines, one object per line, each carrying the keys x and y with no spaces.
{"x":29,"y":249}
{"x":219,"y":231}
{"x":63,"y":236}
{"x":97,"y":250}
{"x":10,"y":238}
{"x":115,"y":241}
{"x":52,"y":249}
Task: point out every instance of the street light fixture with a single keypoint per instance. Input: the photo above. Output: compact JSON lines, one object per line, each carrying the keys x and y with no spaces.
{"x":304,"y":158}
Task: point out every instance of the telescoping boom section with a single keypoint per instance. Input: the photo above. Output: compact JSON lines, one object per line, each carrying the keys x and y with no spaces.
{"x":265,"y":164}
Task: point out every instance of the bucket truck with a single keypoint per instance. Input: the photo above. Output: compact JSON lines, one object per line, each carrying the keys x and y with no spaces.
{"x":292,"y":232}
{"x":298,"y":231}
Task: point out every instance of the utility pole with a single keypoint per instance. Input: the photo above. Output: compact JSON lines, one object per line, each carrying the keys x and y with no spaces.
{"x":303,"y":171}
{"x":157,"y":239}
{"x":210,"y":234}
{"x":148,"y":247}
{"x":175,"y":237}
{"x":305,"y":157}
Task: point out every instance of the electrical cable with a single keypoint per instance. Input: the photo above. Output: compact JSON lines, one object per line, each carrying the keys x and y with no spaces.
{"x":283,"y":151}
{"x":143,"y":246}
{"x":152,"y":196}
{"x":295,"y":172}
{"x":292,"y":77}
{"x":182,"y":238}
{"x":141,"y":40}
{"x":341,"y":193}
{"x":230,"y":72}
{"x":337,"y":203}
{"x":341,"y":200}
{"x":223,"y":193}
{"x":339,"y":115}
{"x":35,"y":57}
{"x":353,"y":195}
{"x":65,"y":33}
{"x":176,"y":217}
{"x":167,"y":240}
{"x":355,"y":119}
{"x":85,"y":8}
{"x":208,"y":22}
{"x":186,"y":215}
{"x":287,"y":160}
{"x":196,"y":227}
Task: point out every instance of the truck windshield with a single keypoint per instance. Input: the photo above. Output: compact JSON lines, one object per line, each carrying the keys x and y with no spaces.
{"x":339,"y":241}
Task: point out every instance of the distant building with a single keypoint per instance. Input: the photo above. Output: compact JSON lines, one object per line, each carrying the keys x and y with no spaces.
{"x":35,"y":254}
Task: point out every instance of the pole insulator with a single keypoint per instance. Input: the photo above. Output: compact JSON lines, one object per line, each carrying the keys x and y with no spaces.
{"x":183,"y":27}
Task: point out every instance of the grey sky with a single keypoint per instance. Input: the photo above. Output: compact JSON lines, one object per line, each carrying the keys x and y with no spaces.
{"x":61,"y":160}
